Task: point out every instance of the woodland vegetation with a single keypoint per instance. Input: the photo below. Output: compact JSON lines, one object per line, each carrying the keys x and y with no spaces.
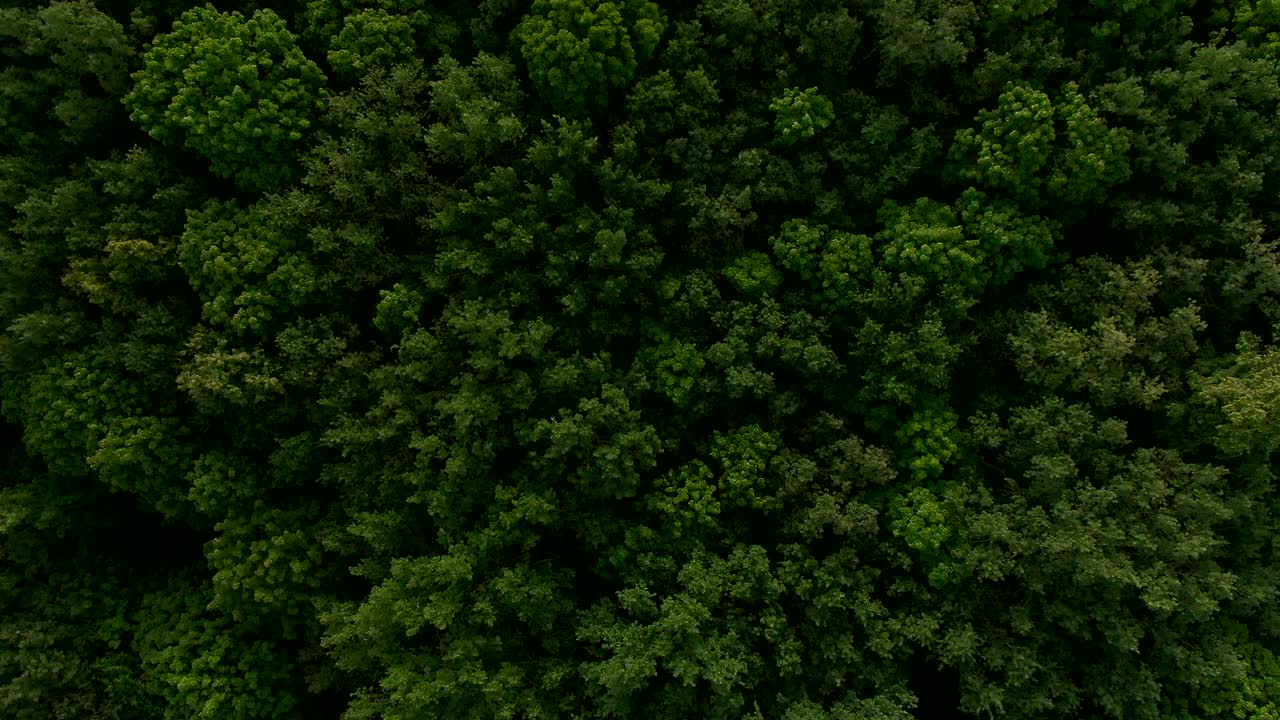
{"x":569,"y":359}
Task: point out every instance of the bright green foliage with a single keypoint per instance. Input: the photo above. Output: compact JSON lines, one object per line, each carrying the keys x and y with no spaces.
{"x":835,"y":264}
{"x":801,"y":114}
{"x":727,"y":622}
{"x":241,"y":265}
{"x":1095,"y":157}
{"x":428,"y":596}
{"x":208,"y":666}
{"x":266,"y":562}
{"x":71,"y":407}
{"x":1258,"y":23}
{"x":398,"y":310}
{"x":370,"y":38}
{"x":148,"y":456}
{"x":753,"y":274}
{"x":613,"y":469}
{"x":927,"y":239}
{"x":921,"y":521}
{"x":676,"y":366}
{"x":1010,"y":240}
{"x":799,"y":247}
{"x":928,"y":440}
{"x":222,"y":374}
{"x":323,"y":22}
{"x":237,"y":91}
{"x":112,"y":280}
{"x":681,"y":635}
{"x":1247,"y":391}
{"x":687,"y":496}
{"x":1029,"y":145}
{"x":845,"y":267}
{"x":219,"y":485}
{"x":1013,"y":145}
{"x":476,"y":107}
{"x":579,"y":50}
{"x":744,"y":456}
{"x":755,"y":340}
{"x":377,"y":34}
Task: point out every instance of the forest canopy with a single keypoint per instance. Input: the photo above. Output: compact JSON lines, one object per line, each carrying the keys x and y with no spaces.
{"x":638,"y":359}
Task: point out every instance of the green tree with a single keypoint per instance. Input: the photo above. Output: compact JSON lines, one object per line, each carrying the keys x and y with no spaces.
{"x":477,"y":108}
{"x":387,"y":34}
{"x":801,"y":114}
{"x":205,"y":666}
{"x":1015,"y":142}
{"x":578,"y":51}
{"x":1259,"y":24}
{"x":239,"y":92}
{"x":1010,"y":240}
{"x":245,"y":267}
{"x":928,"y":240}
{"x":370,"y":38}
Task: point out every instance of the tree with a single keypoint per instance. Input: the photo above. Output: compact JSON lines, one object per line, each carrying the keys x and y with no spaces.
{"x":239,"y":92}
{"x":367,"y":37}
{"x":801,"y":114}
{"x":578,"y":51}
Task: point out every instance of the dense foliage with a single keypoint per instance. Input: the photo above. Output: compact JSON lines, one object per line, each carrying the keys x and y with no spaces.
{"x":540,"y":359}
